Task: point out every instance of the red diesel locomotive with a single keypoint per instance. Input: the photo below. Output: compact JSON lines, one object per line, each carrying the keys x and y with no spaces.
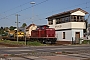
{"x":43,"y":34}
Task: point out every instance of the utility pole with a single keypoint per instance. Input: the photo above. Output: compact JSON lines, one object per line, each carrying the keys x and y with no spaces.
{"x":17,"y":25}
{"x":25,"y":35}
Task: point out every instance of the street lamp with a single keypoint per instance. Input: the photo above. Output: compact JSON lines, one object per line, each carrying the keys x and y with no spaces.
{"x":32,"y":10}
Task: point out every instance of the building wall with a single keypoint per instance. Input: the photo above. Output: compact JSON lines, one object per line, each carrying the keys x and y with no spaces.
{"x":33,"y":27}
{"x":69,"y":25}
{"x":80,"y":25}
{"x":70,"y":28}
{"x":69,"y":34}
{"x":77,"y":30}
{"x":78,"y":13}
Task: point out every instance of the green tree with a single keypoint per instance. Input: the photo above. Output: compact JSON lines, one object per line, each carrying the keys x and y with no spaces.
{"x":6,"y":28}
{"x":24,"y":24}
{"x":12,"y":28}
{"x":1,"y":30}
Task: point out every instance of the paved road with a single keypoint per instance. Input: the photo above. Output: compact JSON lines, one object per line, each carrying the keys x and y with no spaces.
{"x":22,"y":50}
{"x":45,"y":53}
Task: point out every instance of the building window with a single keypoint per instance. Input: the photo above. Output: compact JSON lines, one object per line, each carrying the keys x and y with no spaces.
{"x":78,"y":17}
{"x":81,"y":18}
{"x":75,"y":18}
{"x":63,"y":35}
{"x":58,"y":21}
{"x":67,"y":19}
{"x":63,"y":20}
{"x":50,"y":22}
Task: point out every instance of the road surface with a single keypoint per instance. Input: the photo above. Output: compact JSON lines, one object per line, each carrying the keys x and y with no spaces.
{"x":20,"y":50}
{"x":82,"y":51}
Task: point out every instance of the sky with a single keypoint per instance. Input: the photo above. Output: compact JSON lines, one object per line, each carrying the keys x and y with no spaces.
{"x":38,"y":12}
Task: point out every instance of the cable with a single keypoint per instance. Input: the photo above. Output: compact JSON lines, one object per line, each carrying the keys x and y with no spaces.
{"x":24,"y":9}
{"x":47,"y":12}
{"x":69,"y":7}
{"x":16,"y":7}
{"x":13,"y":9}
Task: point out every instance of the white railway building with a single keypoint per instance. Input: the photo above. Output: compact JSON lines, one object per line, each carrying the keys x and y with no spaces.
{"x":69,"y":25}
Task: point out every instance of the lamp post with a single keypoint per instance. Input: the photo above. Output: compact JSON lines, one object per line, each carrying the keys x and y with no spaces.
{"x":32,"y":10}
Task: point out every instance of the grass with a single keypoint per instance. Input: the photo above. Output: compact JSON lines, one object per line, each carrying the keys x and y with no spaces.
{"x":11,"y":42}
{"x":34,"y":43}
{"x":86,"y":42}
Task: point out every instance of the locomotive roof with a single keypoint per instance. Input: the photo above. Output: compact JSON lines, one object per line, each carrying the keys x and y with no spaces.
{"x":70,"y":11}
{"x":42,"y":25}
{"x":37,"y":25}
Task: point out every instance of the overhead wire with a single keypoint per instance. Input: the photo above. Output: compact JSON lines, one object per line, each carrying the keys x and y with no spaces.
{"x":15,"y":7}
{"x":25,"y":9}
{"x":67,"y":8}
{"x":39,"y":4}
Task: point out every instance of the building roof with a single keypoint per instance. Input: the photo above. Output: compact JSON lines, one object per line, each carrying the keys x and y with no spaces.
{"x":30,"y":26}
{"x":70,"y":11}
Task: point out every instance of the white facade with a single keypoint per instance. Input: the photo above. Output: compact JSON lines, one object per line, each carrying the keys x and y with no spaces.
{"x":72,"y":29}
{"x":33,"y":27}
{"x":78,"y":13}
{"x":68,"y":37}
{"x":69,"y":28}
{"x":69,"y":25}
{"x":29,"y":29}
{"x":77,"y":30}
